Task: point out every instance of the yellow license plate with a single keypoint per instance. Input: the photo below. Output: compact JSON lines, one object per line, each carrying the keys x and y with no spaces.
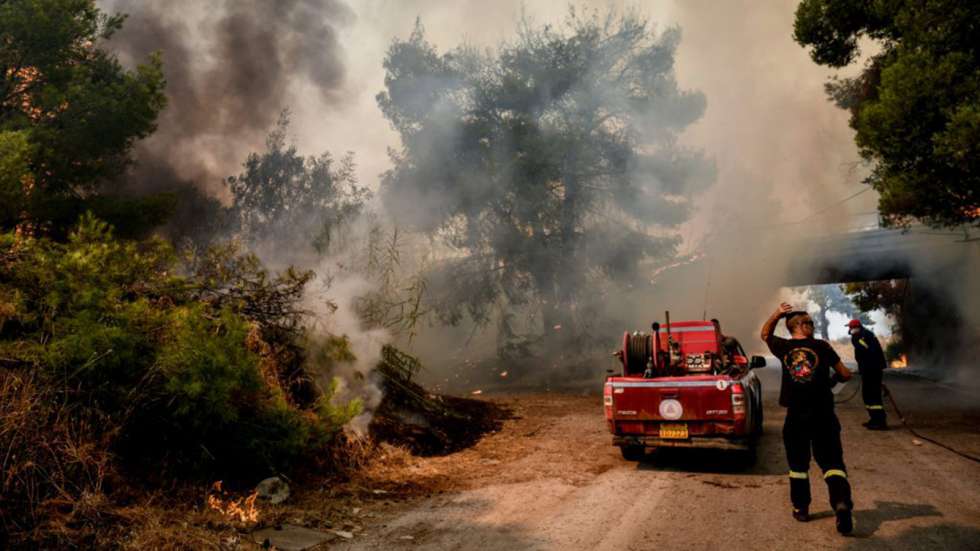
{"x":678,"y":430}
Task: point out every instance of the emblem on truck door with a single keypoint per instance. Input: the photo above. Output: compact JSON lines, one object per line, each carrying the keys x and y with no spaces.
{"x":671,"y":409}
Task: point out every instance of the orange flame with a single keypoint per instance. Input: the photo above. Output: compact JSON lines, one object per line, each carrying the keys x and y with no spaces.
{"x":242,"y":509}
{"x":901,"y":362}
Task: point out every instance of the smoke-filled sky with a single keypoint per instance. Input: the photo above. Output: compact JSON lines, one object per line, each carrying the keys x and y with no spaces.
{"x":784,"y":153}
{"x":232,"y":65}
{"x":767,"y":123}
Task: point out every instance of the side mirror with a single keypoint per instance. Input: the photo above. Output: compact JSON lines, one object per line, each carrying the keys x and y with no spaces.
{"x":757,"y":361}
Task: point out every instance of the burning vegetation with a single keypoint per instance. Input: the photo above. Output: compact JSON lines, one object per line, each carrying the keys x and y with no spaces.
{"x":241,"y":510}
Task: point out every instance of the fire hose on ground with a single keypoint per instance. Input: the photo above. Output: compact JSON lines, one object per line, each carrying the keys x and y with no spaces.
{"x":905,"y":422}
{"x":907,"y":425}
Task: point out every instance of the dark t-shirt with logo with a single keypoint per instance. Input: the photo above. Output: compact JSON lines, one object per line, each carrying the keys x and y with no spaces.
{"x":807,"y":366}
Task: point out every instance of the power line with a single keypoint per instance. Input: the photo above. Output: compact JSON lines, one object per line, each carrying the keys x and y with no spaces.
{"x":815,"y":213}
{"x":832,"y":205}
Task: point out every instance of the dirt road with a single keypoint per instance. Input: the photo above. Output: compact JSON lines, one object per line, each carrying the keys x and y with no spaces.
{"x":551,"y":480}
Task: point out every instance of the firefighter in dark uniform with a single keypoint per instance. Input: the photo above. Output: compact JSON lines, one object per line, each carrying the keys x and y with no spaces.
{"x":871,"y":363}
{"x":810,"y":369}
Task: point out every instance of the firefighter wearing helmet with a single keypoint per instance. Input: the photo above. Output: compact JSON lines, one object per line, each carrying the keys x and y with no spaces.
{"x":871,"y":364}
{"x":810,"y":368}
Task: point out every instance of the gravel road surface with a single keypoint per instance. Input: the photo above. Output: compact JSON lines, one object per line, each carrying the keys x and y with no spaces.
{"x":549,"y":479}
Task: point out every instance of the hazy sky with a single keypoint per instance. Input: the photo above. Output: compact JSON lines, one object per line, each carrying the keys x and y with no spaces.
{"x":768,"y":123}
{"x":782,"y":150}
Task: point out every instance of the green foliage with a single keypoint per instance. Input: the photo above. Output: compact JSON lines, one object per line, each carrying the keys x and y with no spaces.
{"x":337,"y":414}
{"x":79,"y":110}
{"x":182,"y":368}
{"x":543,"y":165}
{"x":889,"y":295}
{"x":915,"y":106}
{"x":283,"y":197}
{"x":207,"y":368}
{"x":14,"y":172}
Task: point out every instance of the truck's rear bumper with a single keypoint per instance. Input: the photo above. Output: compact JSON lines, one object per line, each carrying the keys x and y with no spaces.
{"x":713,"y":442}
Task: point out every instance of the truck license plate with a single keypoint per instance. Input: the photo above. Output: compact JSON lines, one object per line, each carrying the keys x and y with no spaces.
{"x":677,"y":430}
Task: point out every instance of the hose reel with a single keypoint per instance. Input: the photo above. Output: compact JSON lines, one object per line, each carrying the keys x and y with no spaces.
{"x":637,"y":352}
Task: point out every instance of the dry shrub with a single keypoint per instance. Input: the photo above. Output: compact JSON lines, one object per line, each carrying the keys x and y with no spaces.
{"x":54,"y":463}
{"x":350,"y":452}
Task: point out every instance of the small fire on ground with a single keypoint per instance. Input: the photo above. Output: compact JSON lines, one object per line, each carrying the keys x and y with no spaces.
{"x":242,"y":509}
{"x":901,"y":362}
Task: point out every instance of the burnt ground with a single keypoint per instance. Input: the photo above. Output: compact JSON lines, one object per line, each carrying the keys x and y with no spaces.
{"x":549,"y":479}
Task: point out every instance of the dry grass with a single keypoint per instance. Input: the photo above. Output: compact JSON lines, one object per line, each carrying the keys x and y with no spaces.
{"x":54,"y":465}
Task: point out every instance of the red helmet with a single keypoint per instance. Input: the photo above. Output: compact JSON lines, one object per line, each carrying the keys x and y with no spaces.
{"x":854,"y":323}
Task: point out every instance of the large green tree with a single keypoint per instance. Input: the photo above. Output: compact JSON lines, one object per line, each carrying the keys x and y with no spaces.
{"x":916,"y":104}
{"x":546,"y":164}
{"x":69,"y":112}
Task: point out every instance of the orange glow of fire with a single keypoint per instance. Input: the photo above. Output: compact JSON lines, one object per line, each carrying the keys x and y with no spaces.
{"x":901,"y":362}
{"x":242,"y":509}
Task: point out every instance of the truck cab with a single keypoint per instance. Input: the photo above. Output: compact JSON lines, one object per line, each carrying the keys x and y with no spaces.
{"x":680,"y":388}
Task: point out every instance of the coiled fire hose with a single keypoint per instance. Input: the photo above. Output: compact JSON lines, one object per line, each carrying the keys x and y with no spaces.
{"x":907,"y":425}
{"x":857,"y":389}
{"x":638,"y":350}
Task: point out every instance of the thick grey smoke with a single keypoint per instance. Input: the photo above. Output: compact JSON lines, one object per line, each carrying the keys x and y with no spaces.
{"x":549,"y":164}
{"x":784,"y":154}
{"x":231,"y":67}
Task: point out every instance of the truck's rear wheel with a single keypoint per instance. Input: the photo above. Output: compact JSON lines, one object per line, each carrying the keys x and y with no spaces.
{"x":632,"y":453}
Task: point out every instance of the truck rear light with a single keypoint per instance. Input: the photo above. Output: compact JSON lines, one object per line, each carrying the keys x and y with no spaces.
{"x":738,"y":399}
{"x":607,"y":403}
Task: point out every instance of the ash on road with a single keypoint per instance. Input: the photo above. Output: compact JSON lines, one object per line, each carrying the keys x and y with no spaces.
{"x":551,"y":480}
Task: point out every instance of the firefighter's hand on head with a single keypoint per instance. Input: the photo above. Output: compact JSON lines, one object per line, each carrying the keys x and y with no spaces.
{"x":784,"y":308}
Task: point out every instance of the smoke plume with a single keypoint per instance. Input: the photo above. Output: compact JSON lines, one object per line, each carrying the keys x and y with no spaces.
{"x":231,"y":67}
{"x":785,"y":158}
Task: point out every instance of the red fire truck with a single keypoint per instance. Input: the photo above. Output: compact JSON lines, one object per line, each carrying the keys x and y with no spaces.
{"x":680,"y":387}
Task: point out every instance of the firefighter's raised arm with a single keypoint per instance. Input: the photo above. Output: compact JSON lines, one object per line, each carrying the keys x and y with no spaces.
{"x":770,"y":326}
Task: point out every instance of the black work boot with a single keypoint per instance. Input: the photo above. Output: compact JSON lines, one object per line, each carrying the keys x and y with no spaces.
{"x":877,"y":421}
{"x":845,"y":524}
{"x":801,"y":514}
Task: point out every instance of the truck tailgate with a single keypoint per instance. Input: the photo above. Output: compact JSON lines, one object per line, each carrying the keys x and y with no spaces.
{"x":698,"y":398}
